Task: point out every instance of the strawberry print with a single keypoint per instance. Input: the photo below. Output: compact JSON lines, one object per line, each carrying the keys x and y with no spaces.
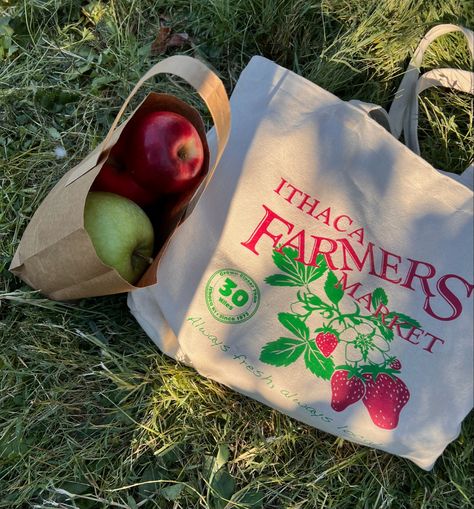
{"x":345,"y":390}
{"x":369,"y":372}
{"x":326,"y":341}
{"x":385,"y":396}
{"x":396,"y":364}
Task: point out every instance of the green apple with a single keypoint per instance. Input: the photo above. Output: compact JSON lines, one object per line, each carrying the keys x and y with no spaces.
{"x":121,"y":233}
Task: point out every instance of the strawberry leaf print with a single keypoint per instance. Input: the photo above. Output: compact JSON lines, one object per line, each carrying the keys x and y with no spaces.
{"x":314,"y":301}
{"x":296,"y":273}
{"x":379,"y":297}
{"x":282,"y":352}
{"x":285,"y":261}
{"x":282,"y":280}
{"x":294,"y":324}
{"x":313,"y":273}
{"x":385,"y":331}
{"x":403,"y":321}
{"x":322,"y":367}
{"x":333,"y":291}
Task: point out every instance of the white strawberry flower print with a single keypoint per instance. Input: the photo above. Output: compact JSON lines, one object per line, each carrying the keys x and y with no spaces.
{"x":353,"y":354}
{"x":364,"y":344}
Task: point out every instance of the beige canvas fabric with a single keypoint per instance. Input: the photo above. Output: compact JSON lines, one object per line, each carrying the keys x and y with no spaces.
{"x":326,"y":271}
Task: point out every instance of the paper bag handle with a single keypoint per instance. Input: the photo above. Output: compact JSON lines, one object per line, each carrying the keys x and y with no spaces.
{"x":209,"y":87}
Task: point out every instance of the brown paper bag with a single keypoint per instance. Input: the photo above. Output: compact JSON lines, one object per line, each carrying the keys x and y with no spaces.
{"x":56,"y":255}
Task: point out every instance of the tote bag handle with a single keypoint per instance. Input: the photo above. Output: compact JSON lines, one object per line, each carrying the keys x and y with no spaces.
{"x":403,"y":113}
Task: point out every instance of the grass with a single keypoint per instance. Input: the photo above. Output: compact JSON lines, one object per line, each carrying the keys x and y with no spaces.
{"x":91,"y":414}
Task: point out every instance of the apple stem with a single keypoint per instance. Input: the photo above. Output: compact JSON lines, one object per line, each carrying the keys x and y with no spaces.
{"x":148,"y":259}
{"x":182,"y":153}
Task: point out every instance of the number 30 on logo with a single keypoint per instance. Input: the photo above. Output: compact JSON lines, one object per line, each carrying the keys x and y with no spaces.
{"x":239,"y":297}
{"x":232,"y":296}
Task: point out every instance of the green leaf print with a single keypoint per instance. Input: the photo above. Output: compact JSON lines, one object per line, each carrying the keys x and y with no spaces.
{"x":404,"y":321}
{"x":282,"y":352}
{"x":379,"y":296}
{"x":313,"y":273}
{"x":315,"y":302}
{"x":294,"y":324}
{"x":285,"y":261}
{"x":366,"y":337}
{"x":321,"y":366}
{"x":385,"y":331}
{"x":334,"y":294}
{"x":296,"y":272}
{"x":282,"y":280}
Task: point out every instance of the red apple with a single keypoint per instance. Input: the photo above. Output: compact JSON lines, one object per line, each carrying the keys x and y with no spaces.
{"x":165,"y":153}
{"x":114,"y":178}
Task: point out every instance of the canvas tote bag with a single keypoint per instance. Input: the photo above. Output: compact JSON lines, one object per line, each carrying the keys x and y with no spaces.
{"x":327,"y":270}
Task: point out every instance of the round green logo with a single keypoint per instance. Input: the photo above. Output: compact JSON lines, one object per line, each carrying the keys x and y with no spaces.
{"x":232,"y":296}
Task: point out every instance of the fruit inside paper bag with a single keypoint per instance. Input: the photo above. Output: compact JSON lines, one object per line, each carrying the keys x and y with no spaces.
{"x":145,"y":184}
{"x":69,"y":250}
